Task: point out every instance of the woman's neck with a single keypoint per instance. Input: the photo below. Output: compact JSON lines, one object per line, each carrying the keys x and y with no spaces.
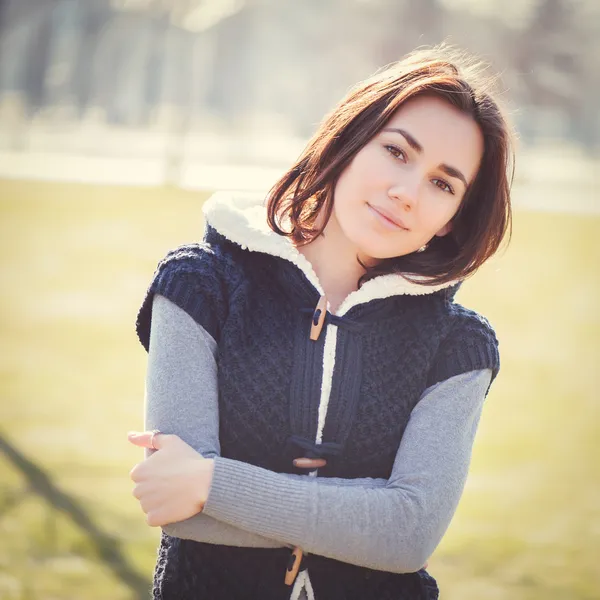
{"x":335,"y":263}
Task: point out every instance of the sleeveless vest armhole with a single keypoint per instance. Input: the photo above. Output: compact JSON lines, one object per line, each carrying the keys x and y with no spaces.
{"x":193,"y":278}
{"x":469,"y":346}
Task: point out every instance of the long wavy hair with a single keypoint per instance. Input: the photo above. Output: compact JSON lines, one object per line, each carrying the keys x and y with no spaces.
{"x":483,"y":219}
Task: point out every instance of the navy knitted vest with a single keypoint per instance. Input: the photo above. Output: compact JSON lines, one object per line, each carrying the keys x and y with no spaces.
{"x":259,"y":308}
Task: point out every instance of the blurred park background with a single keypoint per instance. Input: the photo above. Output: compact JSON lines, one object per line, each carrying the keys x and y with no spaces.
{"x":119,"y":117}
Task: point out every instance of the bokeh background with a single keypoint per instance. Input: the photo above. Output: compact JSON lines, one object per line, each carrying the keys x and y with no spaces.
{"x":119,"y":117}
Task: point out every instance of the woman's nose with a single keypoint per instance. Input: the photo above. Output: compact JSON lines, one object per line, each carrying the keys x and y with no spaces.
{"x":405,"y":194}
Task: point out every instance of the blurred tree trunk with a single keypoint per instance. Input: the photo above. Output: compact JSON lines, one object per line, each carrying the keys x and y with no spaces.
{"x":94,"y":19}
{"x":549,"y":59}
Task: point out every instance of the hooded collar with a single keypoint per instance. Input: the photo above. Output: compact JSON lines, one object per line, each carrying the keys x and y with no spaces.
{"x":242,"y":219}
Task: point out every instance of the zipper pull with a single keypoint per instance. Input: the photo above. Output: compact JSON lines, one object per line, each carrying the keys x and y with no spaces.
{"x":318,"y":318}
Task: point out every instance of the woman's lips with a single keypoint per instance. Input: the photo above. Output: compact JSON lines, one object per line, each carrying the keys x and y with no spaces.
{"x":386,"y":218}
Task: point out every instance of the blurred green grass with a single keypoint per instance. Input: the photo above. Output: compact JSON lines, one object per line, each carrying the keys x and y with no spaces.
{"x":75,"y":261}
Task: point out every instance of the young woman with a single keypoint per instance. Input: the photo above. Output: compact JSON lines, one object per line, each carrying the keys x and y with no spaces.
{"x":313,"y":387}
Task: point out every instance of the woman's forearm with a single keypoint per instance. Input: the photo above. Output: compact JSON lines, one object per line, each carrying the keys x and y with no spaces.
{"x":394,"y":528}
{"x":204,"y":528}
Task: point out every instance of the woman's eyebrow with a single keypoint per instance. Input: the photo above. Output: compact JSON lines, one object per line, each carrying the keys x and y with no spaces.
{"x":452,"y":172}
{"x":412,"y":142}
{"x":409,"y":138}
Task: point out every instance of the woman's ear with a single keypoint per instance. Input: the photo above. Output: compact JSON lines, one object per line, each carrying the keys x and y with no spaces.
{"x":445,"y":230}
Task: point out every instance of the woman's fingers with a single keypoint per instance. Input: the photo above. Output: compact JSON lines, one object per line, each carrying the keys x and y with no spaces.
{"x":150,"y":498}
{"x":143,"y":439}
{"x":148,"y":439}
{"x":135,"y":474}
{"x":139,"y":489}
{"x":156,"y":518}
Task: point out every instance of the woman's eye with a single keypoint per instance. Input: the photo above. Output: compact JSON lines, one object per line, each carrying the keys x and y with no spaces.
{"x":396,"y":152}
{"x":445,"y":187}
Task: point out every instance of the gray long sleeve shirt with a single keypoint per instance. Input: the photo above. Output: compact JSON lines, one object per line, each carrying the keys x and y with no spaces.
{"x":392,"y":525}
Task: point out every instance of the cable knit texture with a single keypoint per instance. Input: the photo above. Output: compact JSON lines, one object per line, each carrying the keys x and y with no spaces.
{"x":258,"y":307}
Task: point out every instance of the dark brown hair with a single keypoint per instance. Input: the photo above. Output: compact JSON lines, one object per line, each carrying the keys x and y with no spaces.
{"x":484,"y":216}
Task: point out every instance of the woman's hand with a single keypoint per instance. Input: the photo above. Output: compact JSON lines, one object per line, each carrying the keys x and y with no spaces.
{"x":173,"y":483}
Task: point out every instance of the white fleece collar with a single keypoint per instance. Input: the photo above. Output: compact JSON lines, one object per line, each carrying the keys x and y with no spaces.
{"x":242,"y":219}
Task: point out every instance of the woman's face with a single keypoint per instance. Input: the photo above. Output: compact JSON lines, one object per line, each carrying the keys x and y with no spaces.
{"x":405,"y":185}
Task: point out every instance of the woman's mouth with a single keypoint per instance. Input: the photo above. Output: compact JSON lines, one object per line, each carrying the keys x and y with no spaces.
{"x":386,"y":218}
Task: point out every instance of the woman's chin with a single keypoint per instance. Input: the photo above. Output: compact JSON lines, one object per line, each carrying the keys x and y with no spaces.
{"x":370,"y":255}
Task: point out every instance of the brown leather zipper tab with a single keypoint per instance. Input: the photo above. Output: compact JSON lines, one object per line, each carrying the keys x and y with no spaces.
{"x":309,"y":463}
{"x":293,"y":566}
{"x":318,"y":318}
